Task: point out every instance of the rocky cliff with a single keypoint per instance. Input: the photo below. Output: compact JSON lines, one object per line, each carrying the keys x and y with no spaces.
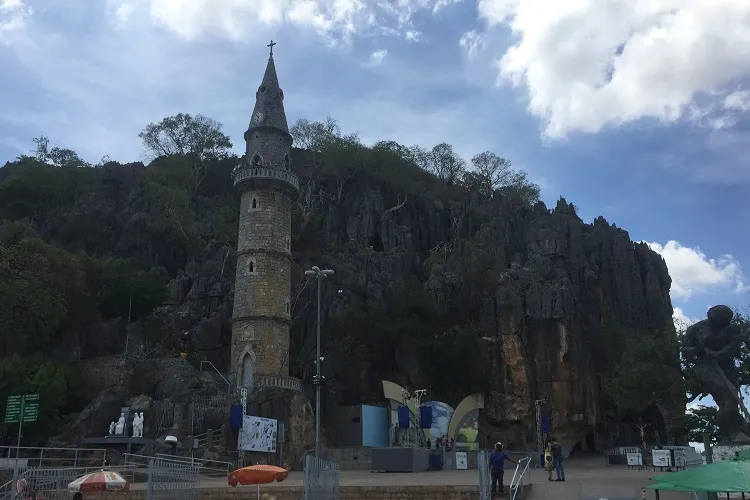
{"x":436,"y":286}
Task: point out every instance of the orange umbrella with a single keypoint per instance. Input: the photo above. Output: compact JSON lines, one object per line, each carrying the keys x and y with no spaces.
{"x":257,"y":474}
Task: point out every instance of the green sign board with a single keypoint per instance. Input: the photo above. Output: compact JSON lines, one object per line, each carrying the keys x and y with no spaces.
{"x":27,"y":405}
{"x":31,"y":407}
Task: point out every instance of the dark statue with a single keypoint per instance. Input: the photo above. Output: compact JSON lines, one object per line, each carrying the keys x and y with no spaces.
{"x":713,"y":345}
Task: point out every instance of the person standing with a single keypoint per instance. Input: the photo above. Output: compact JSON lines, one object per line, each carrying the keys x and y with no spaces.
{"x":497,"y":464}
{"x":548,"y":464}
{"x":557,"y":460}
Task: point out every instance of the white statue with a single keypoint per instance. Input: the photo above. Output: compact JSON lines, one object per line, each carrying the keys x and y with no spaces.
{"x":111,"y":428}
{"x":138,"y":425}
{"x":120,"y":426}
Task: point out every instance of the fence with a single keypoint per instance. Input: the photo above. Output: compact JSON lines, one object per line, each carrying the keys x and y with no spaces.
{"x":216,"y":468}
{"x":169,"y":480}
{"x":321,"y":479}
{"x":521,"y":477}
{"x":46,"y":483}
{"x":483,"y":467}
{"x":52,"y":457}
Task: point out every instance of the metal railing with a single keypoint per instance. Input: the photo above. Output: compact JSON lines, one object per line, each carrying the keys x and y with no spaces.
{"x":169,"y":480}
{"x":217,"y":468}
{"x":205,"y":464}
{"x":520,"y":477}
{"x":43,"y":456}
{"x":202,"y":439}
{"x":51,"y":483}
{"x":321,"y":479}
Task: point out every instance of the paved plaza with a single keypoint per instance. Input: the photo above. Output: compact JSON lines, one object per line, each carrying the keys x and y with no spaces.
{"x":586,"y":479}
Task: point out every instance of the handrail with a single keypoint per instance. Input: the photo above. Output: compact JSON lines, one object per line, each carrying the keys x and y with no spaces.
{"x":134,"y":459}
{"x":523,"y":465}
{"x":198,"y":461}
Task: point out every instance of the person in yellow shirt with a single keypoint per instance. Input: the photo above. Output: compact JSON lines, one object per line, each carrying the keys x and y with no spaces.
{"x":548,"y":458}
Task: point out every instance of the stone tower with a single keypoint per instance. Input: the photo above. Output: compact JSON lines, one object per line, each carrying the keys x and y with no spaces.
{"x":267,"y":186}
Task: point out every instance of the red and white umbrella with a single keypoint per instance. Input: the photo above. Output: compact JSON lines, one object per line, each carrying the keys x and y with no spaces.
{"x":103,"y":480}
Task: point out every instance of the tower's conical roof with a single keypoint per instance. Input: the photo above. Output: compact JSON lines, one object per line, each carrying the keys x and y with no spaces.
{"x":269,"y":101}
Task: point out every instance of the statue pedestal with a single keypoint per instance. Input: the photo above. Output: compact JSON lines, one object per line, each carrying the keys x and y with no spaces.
{"x":727,"y":451}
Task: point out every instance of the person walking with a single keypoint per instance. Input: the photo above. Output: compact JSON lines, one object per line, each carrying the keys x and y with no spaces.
{"x":557,"y":460}
{"x":497,"y":464}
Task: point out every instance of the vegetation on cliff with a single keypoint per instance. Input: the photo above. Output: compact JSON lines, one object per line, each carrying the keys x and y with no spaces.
{"x":84,"y":245}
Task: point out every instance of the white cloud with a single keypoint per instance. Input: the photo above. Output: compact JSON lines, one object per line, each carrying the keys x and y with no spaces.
{"x":693,"y":272}
{"x":738,"y":100}
{"x":378,"y":56}
{"x":591,"y":63}
{"x":472,"y":42}
{"x":682,"y":320}
{"x":338,"y":20}
{"x":13,"y":15}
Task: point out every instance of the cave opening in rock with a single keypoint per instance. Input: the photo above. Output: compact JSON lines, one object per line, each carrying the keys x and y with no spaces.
{"x":590,"y":442}
{"x":656,"y":433}
{"x":376,"y":243}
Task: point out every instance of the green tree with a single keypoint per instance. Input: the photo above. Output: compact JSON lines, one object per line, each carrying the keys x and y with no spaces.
{"x":700,"y":420}
{"x":54,"y":382}
{"x":441,"y":161}
{"x":490,"y":173}
{"x":38,"y":285}
{"x":648,"y":372}
{"x":317,"y":136}
{"x":198,"y":139}
{"x":121,"y":289}
{"x":59,"y":157}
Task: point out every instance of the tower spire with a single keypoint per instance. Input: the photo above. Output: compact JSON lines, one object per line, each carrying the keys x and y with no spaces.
{"x":269,"y":100}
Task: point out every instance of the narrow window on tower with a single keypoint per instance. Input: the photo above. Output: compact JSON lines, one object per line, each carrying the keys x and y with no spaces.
{"x":288,"y":243}
{"x":286,"y":161}
{"x":287,"y":307}
{"x":251,"y":266}
{"x":254,"y":203}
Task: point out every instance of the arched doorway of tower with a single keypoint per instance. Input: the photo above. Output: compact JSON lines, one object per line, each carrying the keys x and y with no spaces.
{"x":247,"y":366}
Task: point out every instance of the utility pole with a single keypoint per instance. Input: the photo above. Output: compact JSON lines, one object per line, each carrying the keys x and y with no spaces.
{"x":319,"y":274}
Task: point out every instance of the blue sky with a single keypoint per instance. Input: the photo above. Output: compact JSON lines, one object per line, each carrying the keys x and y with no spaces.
{"x":639,"y":113}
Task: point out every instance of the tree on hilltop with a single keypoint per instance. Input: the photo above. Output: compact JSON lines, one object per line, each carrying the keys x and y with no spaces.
{"x":199,"y":139}
{"x":495,"y":174}
{"x":57,"y":156}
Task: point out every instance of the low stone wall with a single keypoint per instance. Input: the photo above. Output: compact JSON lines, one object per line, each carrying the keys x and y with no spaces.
{"x":346,"y":493}
{"x":350,"y":458}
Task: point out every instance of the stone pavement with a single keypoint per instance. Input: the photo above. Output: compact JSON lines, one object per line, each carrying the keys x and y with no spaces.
{"x":586,"y":479}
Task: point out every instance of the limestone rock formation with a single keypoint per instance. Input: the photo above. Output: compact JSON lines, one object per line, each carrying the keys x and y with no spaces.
{"x":542,"y":292}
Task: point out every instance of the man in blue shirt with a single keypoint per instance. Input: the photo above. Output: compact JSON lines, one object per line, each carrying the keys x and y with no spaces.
{"x":497,"y":465}
{"x":557,"y":460}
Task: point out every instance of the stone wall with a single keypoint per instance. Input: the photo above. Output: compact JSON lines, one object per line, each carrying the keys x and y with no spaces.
{"x":346,"y":493}
{"x":350,"y":458}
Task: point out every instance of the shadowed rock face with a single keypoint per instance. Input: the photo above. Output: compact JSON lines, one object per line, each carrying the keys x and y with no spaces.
{"x":544,"y":291}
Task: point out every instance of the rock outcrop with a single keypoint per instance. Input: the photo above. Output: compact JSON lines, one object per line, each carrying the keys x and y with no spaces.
{"x":543,"y":291}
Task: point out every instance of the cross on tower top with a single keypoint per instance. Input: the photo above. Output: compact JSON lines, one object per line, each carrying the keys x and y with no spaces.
{"x":271,"y":46}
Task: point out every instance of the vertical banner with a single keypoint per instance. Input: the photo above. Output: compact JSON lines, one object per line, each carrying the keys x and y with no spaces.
{"x":235,"y":417}
{"x":403,"y":417}
{"x":425,"y":417}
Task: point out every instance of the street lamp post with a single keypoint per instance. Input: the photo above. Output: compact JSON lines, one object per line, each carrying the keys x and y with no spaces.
{"x":319,"y":274}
